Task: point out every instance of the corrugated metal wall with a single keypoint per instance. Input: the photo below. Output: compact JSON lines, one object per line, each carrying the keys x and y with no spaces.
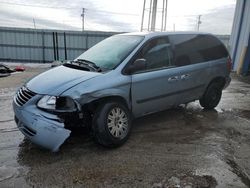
{"x":30,"y":45}
{"x":240,"y":36}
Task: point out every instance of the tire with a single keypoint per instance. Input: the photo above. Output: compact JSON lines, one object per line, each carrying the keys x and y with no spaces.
{"x":212,"y":96}
{"x":111,"y":124}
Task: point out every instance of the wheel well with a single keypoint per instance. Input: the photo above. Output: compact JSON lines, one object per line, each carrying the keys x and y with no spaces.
{"x":92,"y":106}
{"x":221,"y":81}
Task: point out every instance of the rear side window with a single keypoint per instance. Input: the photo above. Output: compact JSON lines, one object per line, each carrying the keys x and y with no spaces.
{"x":192,"y":49}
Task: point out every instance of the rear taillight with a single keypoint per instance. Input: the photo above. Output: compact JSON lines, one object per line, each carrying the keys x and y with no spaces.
{"x":229,"y":63}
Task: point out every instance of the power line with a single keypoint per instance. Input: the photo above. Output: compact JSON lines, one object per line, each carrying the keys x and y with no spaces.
{"x":39,"y":6}
{"x":108,"y":12}
{"x":56,"y":7}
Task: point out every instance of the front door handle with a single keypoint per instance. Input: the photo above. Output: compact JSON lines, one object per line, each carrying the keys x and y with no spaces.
{"x":185,"y":76}
{"x":173,"y":79}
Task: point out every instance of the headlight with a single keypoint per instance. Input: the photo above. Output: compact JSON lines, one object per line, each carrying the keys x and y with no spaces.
{"x":47,"y":102}
{"x":58,"y":104}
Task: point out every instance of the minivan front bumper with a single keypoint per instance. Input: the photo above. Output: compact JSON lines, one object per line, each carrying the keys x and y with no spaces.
{"x":40,"y":127}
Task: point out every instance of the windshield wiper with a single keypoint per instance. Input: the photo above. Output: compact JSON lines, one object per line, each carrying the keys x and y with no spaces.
{"x":89,"y":64}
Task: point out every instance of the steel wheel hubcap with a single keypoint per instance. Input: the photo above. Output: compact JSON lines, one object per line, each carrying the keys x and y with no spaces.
{"x":117,"y":122}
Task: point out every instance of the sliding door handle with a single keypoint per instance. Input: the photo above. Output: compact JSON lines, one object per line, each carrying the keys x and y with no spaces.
{"x":173,"y":79}
{"x":185,"y":76}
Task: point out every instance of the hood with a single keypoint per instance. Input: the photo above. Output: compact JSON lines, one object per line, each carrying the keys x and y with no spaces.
{"x":57,"y":80}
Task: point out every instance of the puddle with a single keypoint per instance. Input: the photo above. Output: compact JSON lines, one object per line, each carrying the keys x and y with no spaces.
{"x":188,"y":181}
{"x":239,"y":171}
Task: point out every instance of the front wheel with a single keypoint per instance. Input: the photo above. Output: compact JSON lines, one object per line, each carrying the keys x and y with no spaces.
{"x":111,"y":124}
{"x":212,"y":96}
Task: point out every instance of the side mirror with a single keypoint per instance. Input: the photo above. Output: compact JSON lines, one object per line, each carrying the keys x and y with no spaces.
{"x":139,"y":64}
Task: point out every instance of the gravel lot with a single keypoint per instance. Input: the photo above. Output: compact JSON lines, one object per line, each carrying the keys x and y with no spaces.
{"x":181,"y":147}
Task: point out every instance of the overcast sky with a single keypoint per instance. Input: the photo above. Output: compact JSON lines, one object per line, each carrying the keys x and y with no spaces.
{"x":116,"y":15}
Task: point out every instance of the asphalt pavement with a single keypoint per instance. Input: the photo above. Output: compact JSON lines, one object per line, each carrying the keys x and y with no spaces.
{"x":182,"y":147}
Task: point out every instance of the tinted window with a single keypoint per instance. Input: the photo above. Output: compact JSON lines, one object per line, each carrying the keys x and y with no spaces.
{"x":210,"y":48}
{"x":157,"y":54}
{"x":191,"y":49}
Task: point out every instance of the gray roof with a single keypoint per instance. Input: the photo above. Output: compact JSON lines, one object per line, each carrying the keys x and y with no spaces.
{"x":153,"y":34}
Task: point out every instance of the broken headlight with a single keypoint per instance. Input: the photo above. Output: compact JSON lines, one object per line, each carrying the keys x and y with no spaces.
{"x":58,"y":104}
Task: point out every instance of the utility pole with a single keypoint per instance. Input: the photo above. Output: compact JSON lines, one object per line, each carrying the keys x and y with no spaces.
{"x":166,"y":11}
{"x":162,"y":15}
{"x":149,"y":15}
{"x":82,"y":15}
{"x":153,"y":15}
{"x":34,"y":23}
{"x":199,"y":22}
{"x":142,"y":19}
{"x":154,"y":11}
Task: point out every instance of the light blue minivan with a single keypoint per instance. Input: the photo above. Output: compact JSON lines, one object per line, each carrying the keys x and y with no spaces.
{"x":122,"y":77}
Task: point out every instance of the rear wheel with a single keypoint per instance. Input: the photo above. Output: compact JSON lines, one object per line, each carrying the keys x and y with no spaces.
{"x":212,"y":96}
{"x":111,"y":124}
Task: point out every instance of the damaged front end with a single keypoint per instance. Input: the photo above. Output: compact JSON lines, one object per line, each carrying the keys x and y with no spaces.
{"x":43,"y":119}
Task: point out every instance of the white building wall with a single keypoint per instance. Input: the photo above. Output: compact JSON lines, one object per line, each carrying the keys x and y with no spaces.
{"x":240,"y":31}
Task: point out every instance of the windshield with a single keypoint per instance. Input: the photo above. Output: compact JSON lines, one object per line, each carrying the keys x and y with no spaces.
{"x":110,"y":52}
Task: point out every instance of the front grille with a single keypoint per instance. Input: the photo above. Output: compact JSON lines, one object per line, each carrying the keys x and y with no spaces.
{"x":23,"y":95}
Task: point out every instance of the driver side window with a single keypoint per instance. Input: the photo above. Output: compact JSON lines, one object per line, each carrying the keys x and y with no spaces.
{"x":157,"y":53}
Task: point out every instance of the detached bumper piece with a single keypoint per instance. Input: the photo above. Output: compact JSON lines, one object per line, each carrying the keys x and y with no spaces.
{"x":44,"y":131}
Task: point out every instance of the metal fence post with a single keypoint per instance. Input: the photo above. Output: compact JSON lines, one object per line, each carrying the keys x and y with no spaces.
{"x":43,"y":48}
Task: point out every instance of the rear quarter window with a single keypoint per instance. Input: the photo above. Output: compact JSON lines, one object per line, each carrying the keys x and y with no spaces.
{"x":213,"y":48}
{"x":192,"y":49}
